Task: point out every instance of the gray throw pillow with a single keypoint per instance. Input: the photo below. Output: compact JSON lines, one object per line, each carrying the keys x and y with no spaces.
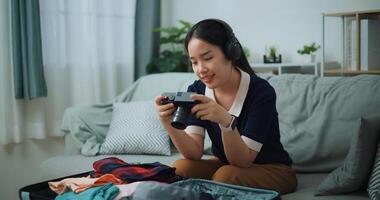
{"x":374,"y":180}
{"x":136,"y":129}
{"x":354,"y":172}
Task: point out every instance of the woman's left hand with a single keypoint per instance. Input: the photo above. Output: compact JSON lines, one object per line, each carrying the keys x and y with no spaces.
{"x":208,"y":109}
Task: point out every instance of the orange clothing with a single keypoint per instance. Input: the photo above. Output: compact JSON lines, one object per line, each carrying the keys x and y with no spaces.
{"x":80,"y":184}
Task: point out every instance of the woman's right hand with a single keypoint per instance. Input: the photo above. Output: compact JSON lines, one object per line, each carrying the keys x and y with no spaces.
{"x":165,"y":111}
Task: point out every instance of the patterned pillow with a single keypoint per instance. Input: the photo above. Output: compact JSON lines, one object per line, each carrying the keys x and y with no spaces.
{"x":374,"y":181}
{"x":136,"y":129}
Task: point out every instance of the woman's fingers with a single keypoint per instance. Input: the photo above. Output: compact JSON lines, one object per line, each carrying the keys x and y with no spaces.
{"x":201,"y":114}
{"x":159,"y":99}
{"x":201,"y":98}
{"x":166,"y":113}
{"x":198,"y":107}
{"x":162,"y":108}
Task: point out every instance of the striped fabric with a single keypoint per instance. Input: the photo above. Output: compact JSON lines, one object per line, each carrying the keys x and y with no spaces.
{"x":136,"y":129}
{"x":131,"y":172}
{"x":374,"y":181}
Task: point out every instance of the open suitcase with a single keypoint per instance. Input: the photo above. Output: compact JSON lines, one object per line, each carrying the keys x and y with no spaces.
{"x":219,"y":191}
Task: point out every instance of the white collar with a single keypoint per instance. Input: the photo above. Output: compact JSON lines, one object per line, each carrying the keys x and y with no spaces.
{"x":237,"y":105}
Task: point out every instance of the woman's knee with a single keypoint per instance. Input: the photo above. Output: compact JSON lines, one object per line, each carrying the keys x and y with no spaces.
{"x":256,"y":177}
{"x":196,"y":168}
{"x":182,"y":167}
{"x":227,"y":174}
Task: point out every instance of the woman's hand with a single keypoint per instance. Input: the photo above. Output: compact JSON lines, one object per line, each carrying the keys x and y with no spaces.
{"x":164,"y":110}
{"x":208,"y":109}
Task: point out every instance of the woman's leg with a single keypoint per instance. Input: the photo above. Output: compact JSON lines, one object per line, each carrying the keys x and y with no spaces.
{"x":197,"y":168}
{"x":277,"y":177}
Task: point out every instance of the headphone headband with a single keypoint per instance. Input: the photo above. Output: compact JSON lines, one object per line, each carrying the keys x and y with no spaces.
{"x":226,"y":27}
{"x":232,"y":48}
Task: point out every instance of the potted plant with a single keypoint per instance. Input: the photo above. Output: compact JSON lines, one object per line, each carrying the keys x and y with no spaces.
{"x":172,"y":57}
{"x":271,"y":55}
{"x":309,"y":50}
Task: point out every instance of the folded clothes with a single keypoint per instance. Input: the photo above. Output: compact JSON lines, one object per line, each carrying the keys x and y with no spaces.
{"x":80,"y":184}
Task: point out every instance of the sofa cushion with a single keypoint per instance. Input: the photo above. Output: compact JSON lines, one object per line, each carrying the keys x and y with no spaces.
{"x":136,"y":129}
{"x":316,"y":114}
{"x":354,"y":172}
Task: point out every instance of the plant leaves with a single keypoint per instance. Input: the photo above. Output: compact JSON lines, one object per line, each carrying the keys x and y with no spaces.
{"x":173,"y":58}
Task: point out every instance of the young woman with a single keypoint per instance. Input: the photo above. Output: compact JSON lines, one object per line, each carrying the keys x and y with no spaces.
{"x":238,"y":110}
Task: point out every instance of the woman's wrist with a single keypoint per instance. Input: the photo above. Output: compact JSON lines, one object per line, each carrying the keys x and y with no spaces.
{"x":230,"y":124}
{"x":226,"y":120}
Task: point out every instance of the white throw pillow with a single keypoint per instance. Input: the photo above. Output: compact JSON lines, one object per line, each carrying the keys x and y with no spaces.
{"x":136,"y":129}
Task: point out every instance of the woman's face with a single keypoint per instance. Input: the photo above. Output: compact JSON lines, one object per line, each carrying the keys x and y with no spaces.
{"x":209,"y":63}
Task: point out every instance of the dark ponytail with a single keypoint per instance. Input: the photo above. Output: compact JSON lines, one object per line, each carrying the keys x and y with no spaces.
{"x":215,"y":33}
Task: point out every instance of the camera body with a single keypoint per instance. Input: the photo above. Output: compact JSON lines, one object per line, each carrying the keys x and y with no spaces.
{"x":183,"y":103}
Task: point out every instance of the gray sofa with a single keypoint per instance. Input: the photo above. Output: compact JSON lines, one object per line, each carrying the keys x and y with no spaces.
{"x":317,"y":118}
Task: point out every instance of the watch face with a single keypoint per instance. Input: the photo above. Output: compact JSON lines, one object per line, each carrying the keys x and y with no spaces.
{"x":234,"y":122}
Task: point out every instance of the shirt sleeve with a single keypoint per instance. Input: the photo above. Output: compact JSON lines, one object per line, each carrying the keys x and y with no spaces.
{"x":261,"y":115}
{"x":194,"y":125}
{"x":192,"y":129}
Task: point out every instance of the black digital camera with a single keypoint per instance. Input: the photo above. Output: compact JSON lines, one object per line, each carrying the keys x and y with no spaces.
{"x":184,"y":103}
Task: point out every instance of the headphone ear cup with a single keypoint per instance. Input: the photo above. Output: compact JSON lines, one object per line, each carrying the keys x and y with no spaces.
{"x":233,"y":49}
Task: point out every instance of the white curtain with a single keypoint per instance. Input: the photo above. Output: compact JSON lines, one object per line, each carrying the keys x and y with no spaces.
{"x":88,"y":53}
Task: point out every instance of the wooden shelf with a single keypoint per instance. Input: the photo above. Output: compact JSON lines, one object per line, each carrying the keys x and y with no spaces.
{"x":358,"y":16}
{"x":281,"y":66}
{"x":353,"y":13}
{"x":350,"y":72}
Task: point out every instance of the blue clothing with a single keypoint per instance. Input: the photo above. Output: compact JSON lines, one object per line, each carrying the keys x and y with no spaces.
{"x":258,"y":121}
{"x":104,"y":192}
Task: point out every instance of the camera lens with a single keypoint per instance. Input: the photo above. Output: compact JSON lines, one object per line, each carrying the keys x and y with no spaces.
{"x":180,"y":117}
{"x":171,"y":97}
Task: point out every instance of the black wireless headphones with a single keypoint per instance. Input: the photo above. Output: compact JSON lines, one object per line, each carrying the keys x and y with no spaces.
{"x":232,"y":48}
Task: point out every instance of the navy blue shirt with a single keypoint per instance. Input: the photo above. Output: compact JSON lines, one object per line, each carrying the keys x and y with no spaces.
{"x":257,"y":122}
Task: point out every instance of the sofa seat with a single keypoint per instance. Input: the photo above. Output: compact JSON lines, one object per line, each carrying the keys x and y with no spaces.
{"x":308,"y":184}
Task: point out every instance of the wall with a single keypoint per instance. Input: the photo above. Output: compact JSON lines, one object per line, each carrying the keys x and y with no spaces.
{"x":257,"y":24}
{"x":19,"y":163}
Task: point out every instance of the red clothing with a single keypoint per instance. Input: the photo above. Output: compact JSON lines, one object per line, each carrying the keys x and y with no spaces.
{"x":135,"y":172}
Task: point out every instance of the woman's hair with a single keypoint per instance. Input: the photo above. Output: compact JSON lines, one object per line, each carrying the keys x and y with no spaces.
{"x":215,"y":32}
